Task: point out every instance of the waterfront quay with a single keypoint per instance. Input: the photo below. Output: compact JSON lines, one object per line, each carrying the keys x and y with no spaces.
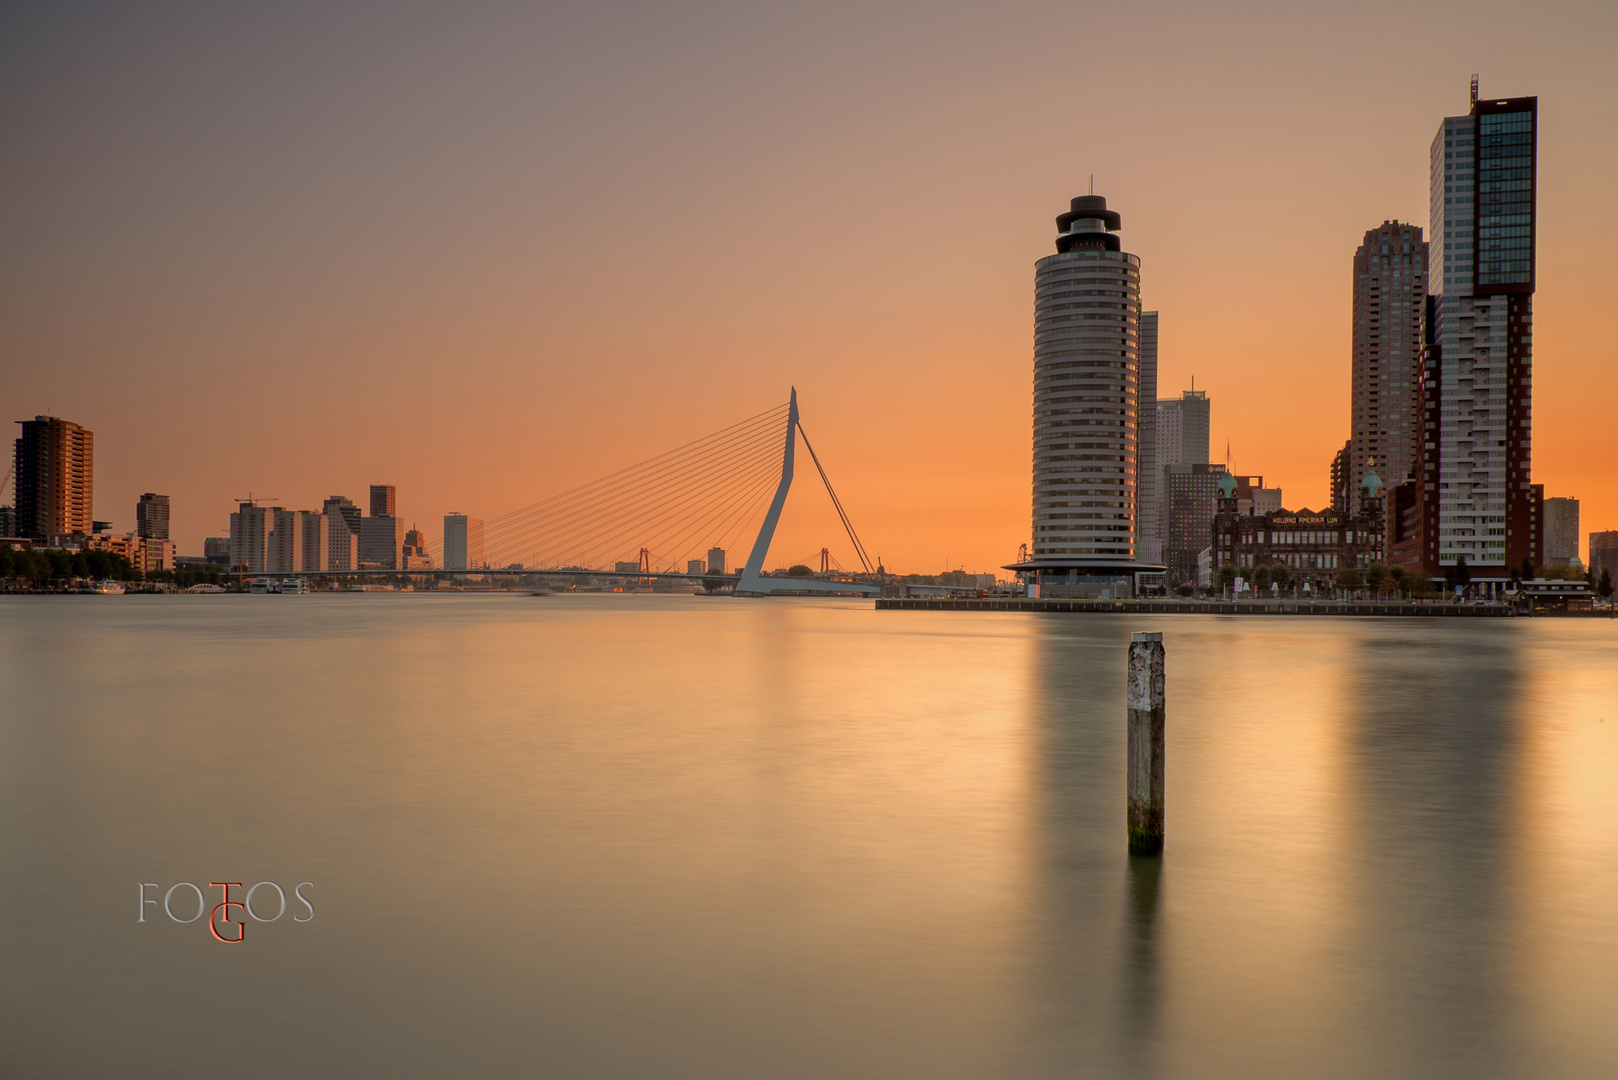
{"x":1203,"y":607}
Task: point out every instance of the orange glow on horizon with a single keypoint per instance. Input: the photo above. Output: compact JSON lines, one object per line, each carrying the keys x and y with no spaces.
{"x":492,"y":264}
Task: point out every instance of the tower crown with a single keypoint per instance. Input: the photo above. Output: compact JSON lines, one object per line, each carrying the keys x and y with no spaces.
{"x":1089,"y":225}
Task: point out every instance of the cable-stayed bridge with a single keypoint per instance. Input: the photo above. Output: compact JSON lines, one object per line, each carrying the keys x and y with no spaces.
{"x":652,"y":519}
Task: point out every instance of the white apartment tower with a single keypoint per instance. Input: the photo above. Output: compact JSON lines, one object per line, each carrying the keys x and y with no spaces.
{"x":285,"y":548}
{"x":463,"y":542}
{"x":1087,"y":394}
{"x":316,"y":541}
{"x":343,"y":523}
{"x":250,"y":528}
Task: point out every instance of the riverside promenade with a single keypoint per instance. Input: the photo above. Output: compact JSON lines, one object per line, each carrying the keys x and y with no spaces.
{"x":1425,"y":609}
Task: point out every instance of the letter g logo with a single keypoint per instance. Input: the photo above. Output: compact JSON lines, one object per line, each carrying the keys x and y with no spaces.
{"x":213,"y":917}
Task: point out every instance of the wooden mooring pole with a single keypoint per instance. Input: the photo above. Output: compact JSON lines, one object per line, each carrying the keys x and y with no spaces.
{"x":1146,"y":715}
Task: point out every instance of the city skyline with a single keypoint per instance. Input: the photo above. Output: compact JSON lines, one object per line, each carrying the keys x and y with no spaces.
{"x":331,"y":296}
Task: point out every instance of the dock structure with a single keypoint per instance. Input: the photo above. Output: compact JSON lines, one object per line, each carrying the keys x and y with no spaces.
{"x":1200,"y":607}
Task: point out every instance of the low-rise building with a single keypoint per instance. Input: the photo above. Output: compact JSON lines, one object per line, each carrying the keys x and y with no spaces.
{"x":145,"y":554}
{"x":1314,"y":545}
{"x":156,"y":553}
{"x":1557,"y":593}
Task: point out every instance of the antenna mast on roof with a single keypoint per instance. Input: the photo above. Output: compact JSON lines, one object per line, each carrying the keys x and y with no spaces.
{"x":1474,"y":88}
{"x":1093,"y":175}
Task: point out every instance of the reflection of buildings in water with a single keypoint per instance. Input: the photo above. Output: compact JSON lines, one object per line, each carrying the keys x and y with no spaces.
{"x":1356,"y":816}
{"x":1435,"y":752}
{"x":1091,"y":938}
{"x":1566,"y":854}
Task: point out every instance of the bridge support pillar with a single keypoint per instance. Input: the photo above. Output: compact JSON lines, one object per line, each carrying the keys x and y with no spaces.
{"x":1146,"y":750}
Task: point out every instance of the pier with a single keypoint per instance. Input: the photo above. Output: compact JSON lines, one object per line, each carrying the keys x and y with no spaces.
{"x":1200,"y":607}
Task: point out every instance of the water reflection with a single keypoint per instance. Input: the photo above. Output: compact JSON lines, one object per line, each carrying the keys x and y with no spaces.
{"x":630,"y":837}
{"x":1434,"y":759}
{"x":1141,"y":990}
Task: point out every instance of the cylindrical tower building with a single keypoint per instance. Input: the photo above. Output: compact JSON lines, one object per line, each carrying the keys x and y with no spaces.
{"x":1086,"y":399}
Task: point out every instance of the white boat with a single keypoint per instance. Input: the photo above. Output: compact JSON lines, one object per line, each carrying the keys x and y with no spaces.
{"x":295,"y":585}
{"x":205,"y":588}
{"x":260,"y":585}
{"x":108,"y":588}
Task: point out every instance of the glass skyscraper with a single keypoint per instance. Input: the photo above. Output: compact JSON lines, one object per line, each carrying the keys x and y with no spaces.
{"x":1477,"y":501}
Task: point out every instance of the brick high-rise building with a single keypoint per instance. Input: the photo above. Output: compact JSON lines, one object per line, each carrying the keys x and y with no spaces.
{"x":55,"y":478}
{"x":384,"y":500}
{"x":1390,"y":296}
{"x":1475,"y":482}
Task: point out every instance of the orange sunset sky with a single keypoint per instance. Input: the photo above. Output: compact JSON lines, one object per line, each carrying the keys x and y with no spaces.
{"x":487,"y":252}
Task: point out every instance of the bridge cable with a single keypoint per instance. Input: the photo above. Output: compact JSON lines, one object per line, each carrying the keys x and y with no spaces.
{"x":859,"y":549}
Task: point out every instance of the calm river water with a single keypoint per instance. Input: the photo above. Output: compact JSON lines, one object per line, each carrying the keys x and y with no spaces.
{"x":698,"y":837}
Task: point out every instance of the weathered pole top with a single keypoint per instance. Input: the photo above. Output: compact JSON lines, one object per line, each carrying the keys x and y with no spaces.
{"x":1141,"y":635}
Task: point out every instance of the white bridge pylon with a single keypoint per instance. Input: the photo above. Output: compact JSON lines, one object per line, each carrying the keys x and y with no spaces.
{"x":752,"y":581}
